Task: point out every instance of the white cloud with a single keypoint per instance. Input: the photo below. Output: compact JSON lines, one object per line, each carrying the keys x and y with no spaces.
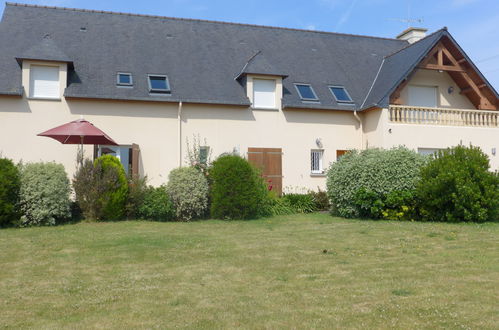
{"x":346,"y":15}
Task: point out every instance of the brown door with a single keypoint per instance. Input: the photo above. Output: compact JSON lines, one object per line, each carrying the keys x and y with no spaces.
{"x":269,"y":161}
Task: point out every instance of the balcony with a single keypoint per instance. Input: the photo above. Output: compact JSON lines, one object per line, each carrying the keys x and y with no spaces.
{"x":404,"y":114}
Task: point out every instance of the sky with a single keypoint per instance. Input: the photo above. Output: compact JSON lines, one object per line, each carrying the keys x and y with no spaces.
{"x":473,"y":23}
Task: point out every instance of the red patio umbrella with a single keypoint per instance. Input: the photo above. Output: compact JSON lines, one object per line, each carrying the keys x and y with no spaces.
{"x":79,"y":132}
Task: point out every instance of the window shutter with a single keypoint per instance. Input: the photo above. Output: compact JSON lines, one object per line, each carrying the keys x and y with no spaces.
{"x":44,"y":82}
{"x":264,"y":93}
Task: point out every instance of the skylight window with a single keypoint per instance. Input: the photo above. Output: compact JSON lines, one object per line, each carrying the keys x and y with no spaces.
{"x":158,"y":84}
{"x":306,"y":92}
{"x":124,"y":79}
{"x":340,"y":94}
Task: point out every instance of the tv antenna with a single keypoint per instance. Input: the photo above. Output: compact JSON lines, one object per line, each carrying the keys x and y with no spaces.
{"x":408,"y":20}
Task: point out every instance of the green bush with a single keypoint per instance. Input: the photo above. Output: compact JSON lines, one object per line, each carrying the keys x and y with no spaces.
{"x":456,"y":185}
{"x":188,"y":190}
{"x":10,"y":183}
{"x":276,"y":205}
{"x":368,"y":203}
{"x":44,"y":194}
{"x":375,"y":170}
{"x":321,"y":200}
{"x":300,"y":203}
{"x":156,"y":205}
{"x":113,"y":199}
{"x":101,"y":188}
{"x":238,"y":190}
{"x":137,"y":190}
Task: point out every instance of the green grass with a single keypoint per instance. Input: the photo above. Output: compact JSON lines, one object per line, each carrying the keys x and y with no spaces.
{"x":300,"y":271}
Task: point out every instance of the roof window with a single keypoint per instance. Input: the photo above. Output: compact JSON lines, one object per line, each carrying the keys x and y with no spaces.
{"x":124,"y":79}
{"x":340,"y":94}
{"x":158,"y":84}
{"x":306,"y":92}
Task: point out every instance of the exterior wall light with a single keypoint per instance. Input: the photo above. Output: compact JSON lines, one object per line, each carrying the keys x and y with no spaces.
{"x":318,"y":142}
{"x":450,"y":90}
{"x":494,"y":151}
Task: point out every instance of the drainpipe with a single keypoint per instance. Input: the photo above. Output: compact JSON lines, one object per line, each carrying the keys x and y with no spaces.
{"x":180,"y":134}
{"x":360,"y":124}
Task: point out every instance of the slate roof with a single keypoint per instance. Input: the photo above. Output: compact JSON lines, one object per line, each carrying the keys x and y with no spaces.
{"x":201,"y":58}
{"x":45,"y":50}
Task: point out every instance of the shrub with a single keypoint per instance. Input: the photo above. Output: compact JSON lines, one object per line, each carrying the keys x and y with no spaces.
{"x":377,"y":171}
{"x":156,"y":205}
{"x":300,"y":203}
{"x":321,"y":200}
{"x":368,"y":203}
{"x":456,"y":185}
{"x":276,"y":205}
{"x":238,"y":190}
{"x":101,"y":188}
{"x":188,"y":190}
{"x":114,"y":198}
{"x":137,"y":190}
{"x":10,"y":183}
{"x":44,"y":194}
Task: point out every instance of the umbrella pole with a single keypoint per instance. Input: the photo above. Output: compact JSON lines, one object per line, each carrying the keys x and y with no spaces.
{"x":79,"y":157}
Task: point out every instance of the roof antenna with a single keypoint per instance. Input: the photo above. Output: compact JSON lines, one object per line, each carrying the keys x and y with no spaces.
{"x":407,"y":20}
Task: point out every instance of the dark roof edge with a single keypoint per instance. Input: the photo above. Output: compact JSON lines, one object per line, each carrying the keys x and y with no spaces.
{"x":11,"y":93}
{"x":15,"y":4}
{"x":411,"y":68}
{"x":409,"y":45}
{"x":151,"y":99}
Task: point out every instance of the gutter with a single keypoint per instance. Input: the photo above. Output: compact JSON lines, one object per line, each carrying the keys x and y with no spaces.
{"x":361,"y":133}
{"x":179,"y":116}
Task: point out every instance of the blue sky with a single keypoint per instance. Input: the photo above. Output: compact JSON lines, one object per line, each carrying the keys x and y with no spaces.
{"x":473,"y":23}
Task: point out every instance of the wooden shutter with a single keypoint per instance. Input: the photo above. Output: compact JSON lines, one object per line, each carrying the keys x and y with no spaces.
{"x":269,"y":161}
{"x":135,"y":160}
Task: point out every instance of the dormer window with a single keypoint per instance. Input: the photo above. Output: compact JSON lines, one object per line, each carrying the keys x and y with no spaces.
{"x":264,"y":93}
{"x":158,"y":84}
{"x":44,"y":82}
{"x":124,"y":79}
{"x":340,"y":94}
{"x":306,"y":92}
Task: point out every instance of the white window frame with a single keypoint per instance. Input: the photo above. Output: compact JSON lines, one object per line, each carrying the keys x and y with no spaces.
{"x":317,"y":165}
{"x":207,"y":148}
{"x":315,"y":98}
{"x":344,"y":89}
{"x":274,"y":101}
{"x":32,"y":89}
{"x":118,"y":83}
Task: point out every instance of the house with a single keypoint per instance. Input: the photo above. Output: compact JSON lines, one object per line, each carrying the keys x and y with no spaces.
{"x":291,"y":101}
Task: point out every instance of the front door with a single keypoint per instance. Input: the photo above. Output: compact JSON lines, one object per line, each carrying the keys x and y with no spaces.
{"x":269,"y":161}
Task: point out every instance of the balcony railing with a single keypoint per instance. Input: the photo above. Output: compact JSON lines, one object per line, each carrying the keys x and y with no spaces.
{"x":443,"y":116}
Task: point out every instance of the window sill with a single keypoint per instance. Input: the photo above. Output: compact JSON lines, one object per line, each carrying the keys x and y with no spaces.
{"x":265,"y":109}
{"x":319,"y":175}
{"x":44,"y":98}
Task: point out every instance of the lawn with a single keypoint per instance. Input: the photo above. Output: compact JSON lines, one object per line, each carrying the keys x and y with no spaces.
{"x":301,"y":271}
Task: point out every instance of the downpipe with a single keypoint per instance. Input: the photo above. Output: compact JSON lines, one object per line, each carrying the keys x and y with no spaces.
{"x":360,"y":126}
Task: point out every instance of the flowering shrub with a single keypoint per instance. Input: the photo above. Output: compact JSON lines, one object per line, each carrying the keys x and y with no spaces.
{"x":9,"y":192}
{"x":188,"y":190}
{"x":44,"y":194}
{"x":378,"y":172}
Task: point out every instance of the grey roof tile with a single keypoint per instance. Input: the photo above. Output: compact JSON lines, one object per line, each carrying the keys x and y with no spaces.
{"x":45,"y":50}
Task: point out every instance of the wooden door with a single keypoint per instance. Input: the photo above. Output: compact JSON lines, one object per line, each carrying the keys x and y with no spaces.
{"x":269,"y":161}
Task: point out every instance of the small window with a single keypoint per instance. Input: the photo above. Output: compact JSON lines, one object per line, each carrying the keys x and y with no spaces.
{"x":44,"y":82}
{"x":158,"y":84}
{"x":204,"y":152}
{"x":316,"y":161}
{"x":124,"y":79}
{"x":306,"y":92}
{"x":340,"y":94}
{"x":264,"y":93}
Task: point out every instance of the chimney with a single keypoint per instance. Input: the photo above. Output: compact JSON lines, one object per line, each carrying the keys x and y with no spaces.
{"x":412,"y":34}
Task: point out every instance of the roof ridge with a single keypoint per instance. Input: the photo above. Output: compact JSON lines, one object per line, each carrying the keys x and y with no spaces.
{"x":16,"y":4}
{"x":409,"y":45}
